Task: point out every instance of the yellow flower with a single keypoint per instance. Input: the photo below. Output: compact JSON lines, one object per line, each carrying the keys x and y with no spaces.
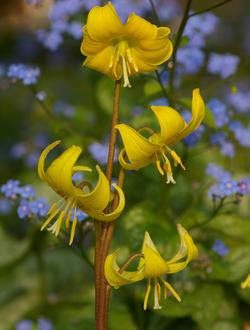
{"x":246,"y":284}
{"x":152,"y":266}
{"x":142,"y":151}
{"x":59,"y":177}
{"x":122,"y":50}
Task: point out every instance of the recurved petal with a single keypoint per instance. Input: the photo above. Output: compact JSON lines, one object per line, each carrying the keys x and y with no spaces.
{"x":155,"y":265}
{"x":90,"y":46}
{"x":116,"y":279}
{"x":41,"y":161}
{"x":116,"y":213}
{"x":59,"y":173}
{"x":170,"y":121}
{"x":138,"y":148}
{"x":134,"y":165}
{"x":100,"y":62}
{"x":138,"y":28}
{"x":187,"y":250}
{"x":97,"y":200}
{"x":103,"y":23}
{"x":198,"y":113}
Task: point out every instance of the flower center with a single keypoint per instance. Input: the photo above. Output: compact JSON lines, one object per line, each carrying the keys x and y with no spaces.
{"x":123,"y":56}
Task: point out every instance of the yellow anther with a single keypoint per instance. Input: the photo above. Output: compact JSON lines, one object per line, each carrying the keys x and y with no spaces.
{"x":159,"y":168}
{"x":177,"y":159}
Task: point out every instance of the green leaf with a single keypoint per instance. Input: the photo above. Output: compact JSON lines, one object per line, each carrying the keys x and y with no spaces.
{"x":151,"y":88}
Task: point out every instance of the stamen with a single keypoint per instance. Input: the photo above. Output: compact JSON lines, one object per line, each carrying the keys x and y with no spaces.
{"x":159,"y":168}
{"x":157,"y":295}
{"x":145,"y":304}
{"x":51,"y":217}
{"x":177,"y":159}
{"x":169,"y":287}
{"x":131,"y":60}
{"x":125,"y":73}
{"x":111,"y":62}
{"x":73,"y":228}
{"x":169,"y":173}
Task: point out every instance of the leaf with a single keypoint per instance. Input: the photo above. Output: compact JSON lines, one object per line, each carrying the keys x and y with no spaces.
{"x":151,"y":88}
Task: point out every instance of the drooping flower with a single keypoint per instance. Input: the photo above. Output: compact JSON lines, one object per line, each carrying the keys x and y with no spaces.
{"x":152,"y":266}
{"x":122,"y":50}
{"x":59,"y":176}
{"x":142,"y":151}
{"x":246,"y":284}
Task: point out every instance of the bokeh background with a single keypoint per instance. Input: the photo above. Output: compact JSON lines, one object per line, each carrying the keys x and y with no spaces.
{"x":46,"y":95}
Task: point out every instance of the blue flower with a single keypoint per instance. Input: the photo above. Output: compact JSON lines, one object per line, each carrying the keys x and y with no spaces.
{"x":240,"y":101}
{"x":243,"y":187}
{"x":10,"y":188}
{"x":18,"y":150}
{"x":190,"y":59}
{"x":80,"y":215}
{"x":24,"y":209}
{"x":24,"y":325}
{"x":51,"y":40}
{"x":99,"y":152}
{"x":160,"y":102}
{"x":241,"y":133}
{"x":61,"y":107}
{"x":220,"y":248}
{"x":222,"y":64}
{"x":75,"y":30}
{"x":39,"y":207}
{"x":77,"y":177}
{"x":194,"y":138}
{"x":204,"y":24}
{"x":26,"y":191}
{"x":25,"y":73}
{"x":220,"y":112}
{"x":217,"y":172}
{"x":227,"y":149}
{"x":44,"y":324}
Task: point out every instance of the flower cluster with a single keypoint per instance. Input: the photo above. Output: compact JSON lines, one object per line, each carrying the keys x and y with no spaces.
{"x":42,"y":324}
{"x":226,"y":186}
{"x":27,"y":74}
{"x":190,"y":58}
{"x":224,"y":65}
{"x":61,"y":23}
{"x":220,"y":248}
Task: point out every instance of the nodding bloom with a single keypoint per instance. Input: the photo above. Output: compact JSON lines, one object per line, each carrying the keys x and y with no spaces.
{"x":246,"y":284}
{"x":152,"y":267}
{"x":122,"y":50}
{"x":139,"y":151}
{"x":92,"y":201}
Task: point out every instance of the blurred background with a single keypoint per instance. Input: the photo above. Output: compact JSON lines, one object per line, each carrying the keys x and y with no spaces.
{"x":47,"y":95}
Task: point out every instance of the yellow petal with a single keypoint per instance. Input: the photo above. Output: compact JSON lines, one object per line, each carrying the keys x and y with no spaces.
{"x":116,"y":213}
{"x":170,"y":121}
{"x":198,"y":113}
{"x":114,"y":278}
{"x":103,"y":23}
{"x":41,"y":161}
{"x":135,"y":165}
{"x":246,"y":284}
{"x":155,"y":265}
{"x":154,"y":51}
{"x":90,"y":46}
{"x":100,"y":62}
{"x":187,"y":250}
{"x":59,"y":173}
{"x":80,"y":168}
{"x":138,"y":148}
{"x":138,"y":28}
{"x":97,"y":200}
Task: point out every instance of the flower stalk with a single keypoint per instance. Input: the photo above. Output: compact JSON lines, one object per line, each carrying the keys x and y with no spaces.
{"x":104,"y":232}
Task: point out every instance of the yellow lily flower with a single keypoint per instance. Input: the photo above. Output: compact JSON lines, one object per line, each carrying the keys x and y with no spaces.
{"x":122,"y":50}
{"x":246,"y":284}
{"x":142,"y":151}
{"x":152,"y":266}
{"x":59,"y":176}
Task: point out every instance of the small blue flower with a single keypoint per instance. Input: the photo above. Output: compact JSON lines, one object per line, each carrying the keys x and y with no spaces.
{"x":220,"y":248}
{"x":25,"y":73}
{"x":39,"y":207}
{"x":220,"y":112}
{"x":190,"y":59}
{"x":99,"y":152}
{"x":24,"y":210}
{"x":80,"y":215}
{"x":77,"y":177}
{"x":160,"y":102}
{"x":24,"y":325}
{"x":34,"y":2}
{"x":217,"y":172}
{"x":26,"y":191}
{"x":240,"y":101}
{"x":18,"y":150}
{"x":51,"y":40}
{"x":243,"y":186}
{"x":75,"y":30}
{"x":10,"y":188}
{"x":44,"y":324}
{"x":227,"y":149}
{"x":41,"y":95}
{"x":61,"y":107}
{"x":223,"y":64}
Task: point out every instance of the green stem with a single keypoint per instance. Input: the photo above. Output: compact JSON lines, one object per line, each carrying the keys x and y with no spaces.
{"x":209,"y":8}
{"x":175,"y":49}
{"x":155,"y":12}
